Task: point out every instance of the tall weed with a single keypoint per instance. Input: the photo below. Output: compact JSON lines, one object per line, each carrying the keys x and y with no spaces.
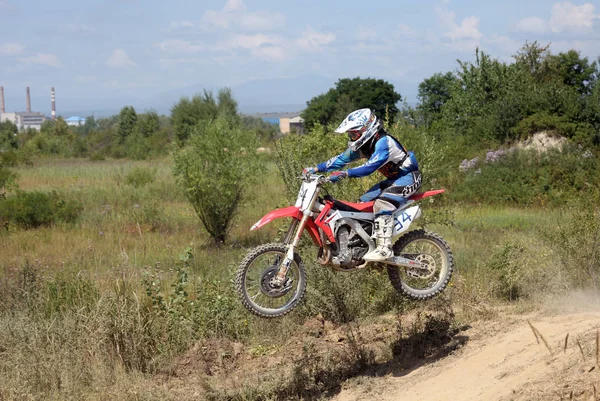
{"x":577,"y":242}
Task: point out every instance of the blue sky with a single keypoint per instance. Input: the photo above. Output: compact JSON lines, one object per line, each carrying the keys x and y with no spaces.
{"x":143,"y":48}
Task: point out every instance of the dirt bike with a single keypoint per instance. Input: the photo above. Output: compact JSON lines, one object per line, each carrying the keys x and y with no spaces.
{"x":271,"y":279}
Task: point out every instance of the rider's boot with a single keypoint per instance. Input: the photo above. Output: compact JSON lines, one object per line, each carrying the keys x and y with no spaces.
{"x":383,"y":239}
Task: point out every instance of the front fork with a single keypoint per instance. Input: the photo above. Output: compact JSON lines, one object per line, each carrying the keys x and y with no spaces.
{"x":294,"y":233}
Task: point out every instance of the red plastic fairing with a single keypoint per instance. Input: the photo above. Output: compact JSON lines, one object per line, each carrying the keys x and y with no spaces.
{"x":365,"y":207}
{"x":321,"y":223}
{"x":293,"y":212}
{"x":426,"y":194}
{"x":290,"y":211}
{"x":313,"y":230}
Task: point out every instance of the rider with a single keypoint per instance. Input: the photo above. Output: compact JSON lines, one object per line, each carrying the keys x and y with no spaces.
{"x":368,"y":139}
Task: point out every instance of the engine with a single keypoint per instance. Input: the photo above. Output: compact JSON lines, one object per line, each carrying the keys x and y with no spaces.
{"x":351,"y":247}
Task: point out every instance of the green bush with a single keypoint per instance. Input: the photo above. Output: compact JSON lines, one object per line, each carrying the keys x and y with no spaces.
{"x":295,"y":152}
{"x":214,"y":168}
{"x":577,"y":242}
{"x":544,"y":121}
{"x":528,"y":177}
{"x":140,"y":177}
{"x":506,"y":265}
{"x":35,"y":209}
{"x":7,"y":180}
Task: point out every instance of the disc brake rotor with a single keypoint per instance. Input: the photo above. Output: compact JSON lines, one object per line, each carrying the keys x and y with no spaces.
{"x":268,"y":286}
{"x":428,"y":272}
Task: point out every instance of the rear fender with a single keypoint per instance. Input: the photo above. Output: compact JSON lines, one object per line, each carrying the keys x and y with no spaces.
{"x":293,"y":212}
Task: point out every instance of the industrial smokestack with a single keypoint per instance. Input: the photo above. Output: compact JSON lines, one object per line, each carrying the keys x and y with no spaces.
{"x":53,"y":113}
{"x":2,"y":100}
{"x":28,"y":100}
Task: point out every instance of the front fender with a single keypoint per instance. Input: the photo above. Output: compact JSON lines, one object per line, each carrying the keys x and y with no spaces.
{"x":290,"y":211}
{"x":293,"y":212}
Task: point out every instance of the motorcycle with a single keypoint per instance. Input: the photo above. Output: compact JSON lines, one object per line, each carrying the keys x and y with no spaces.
{"x":271,"y":279}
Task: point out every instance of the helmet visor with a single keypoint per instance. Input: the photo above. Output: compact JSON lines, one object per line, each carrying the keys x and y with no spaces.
{"x":355,"y":134}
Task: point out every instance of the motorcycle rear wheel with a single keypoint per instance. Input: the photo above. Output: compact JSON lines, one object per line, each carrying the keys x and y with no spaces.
{"x":253,"y":286}
{"x":428,"y":248}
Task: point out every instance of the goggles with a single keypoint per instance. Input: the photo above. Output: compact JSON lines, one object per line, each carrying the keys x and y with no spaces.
{"x":355,"y":134}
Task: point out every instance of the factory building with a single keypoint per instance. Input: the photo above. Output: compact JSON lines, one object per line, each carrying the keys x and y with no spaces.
{"x":27,"y":119}
{"x":75,"y":121}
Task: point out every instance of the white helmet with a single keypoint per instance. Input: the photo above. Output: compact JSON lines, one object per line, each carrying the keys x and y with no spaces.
{"x":361,"y":125}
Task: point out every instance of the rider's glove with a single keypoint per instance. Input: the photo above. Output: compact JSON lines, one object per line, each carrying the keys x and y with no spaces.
{"x":337,"y":175}
{"x":309,"y":170}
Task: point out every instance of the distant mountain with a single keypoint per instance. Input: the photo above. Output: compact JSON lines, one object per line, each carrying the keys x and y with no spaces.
{"x":259,"y":96}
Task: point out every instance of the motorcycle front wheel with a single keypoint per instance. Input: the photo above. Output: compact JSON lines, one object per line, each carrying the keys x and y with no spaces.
{"x":432,"y":251}
{"x":256,"y":289}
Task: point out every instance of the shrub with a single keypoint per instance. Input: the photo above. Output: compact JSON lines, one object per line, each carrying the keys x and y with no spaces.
{"x":531,"y":178}
{"x":140,"y":177}
{"x":544,"y":121}
{"x":215,"y":168}
{"x":136,"y":146}
{"x":506,"y":264}
{"x":7,"y":180}
{"x":577,"y":242}
{"x":294,"y":152}
{"x":35,"y":209}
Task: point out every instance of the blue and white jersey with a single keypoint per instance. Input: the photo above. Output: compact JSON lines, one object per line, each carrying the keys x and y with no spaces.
{"x":388,"y":156}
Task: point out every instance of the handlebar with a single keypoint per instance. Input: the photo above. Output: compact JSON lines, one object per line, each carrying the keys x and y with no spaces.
{"x":311,"y":177}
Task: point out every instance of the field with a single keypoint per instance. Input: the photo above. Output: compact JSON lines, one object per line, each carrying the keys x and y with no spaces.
{"x":113,"y":305}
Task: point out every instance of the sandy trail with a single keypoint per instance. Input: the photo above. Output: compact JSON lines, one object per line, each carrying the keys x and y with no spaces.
{"x":508,"y":364}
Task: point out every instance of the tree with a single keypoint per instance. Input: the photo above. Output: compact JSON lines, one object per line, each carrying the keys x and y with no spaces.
{"x":575,"y":71}
{"x":148,"y":123}
{"x":214,"y":168}
{"x":127,"y":123}
{"x":351,"y":94}
{"x":533,"y":58}
{"x":8,"y":136}
{"x":187,"y":113}
{"x":434,"y":92}
{"x":88,"y":126}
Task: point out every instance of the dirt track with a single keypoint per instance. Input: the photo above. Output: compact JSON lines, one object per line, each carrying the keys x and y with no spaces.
{"x":504,"y":363}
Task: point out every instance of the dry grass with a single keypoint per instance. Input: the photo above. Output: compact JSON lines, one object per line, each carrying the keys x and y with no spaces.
{"x":62,"y":338}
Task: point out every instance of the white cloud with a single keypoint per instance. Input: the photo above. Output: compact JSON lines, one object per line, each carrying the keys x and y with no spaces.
{"x":179,"y":46}
{"x":532,"y":25}
{"x":168,"y":63}
{"x":365,"y":33}
{"x":505,"y":44}
{"x":233,"y":6}
{"x":465,"y":37}
{"x":273,"y":53}
{"x":468,"y":28}
{"x":313,"y":41}
{"x":568,"y":16}
{"x":266,"y":47}
{"x":587,"y":47}
{"x":406,"y":31}
{"x":119,"y":59}
{"x":47,"y":59}
{"x":184,"y":24}
{"x":252,"y":41}
{"x":236,"y":14}
{"x":10,"y":49}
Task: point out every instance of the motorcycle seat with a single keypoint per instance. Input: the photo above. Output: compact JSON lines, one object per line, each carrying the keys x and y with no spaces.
{"x":360,"y":207}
